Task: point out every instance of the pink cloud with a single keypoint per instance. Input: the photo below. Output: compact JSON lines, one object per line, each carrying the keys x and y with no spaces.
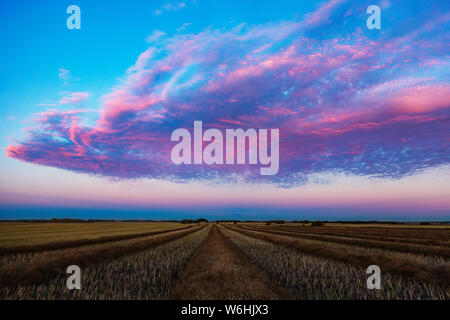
{"x":341,"y":103}
{"x":74,"y":97}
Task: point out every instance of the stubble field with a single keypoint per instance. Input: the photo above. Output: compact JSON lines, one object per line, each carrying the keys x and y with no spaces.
{"x":165,"y":260}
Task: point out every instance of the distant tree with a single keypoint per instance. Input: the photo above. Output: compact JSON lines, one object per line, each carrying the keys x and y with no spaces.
{"x":201,"y":220}
{"x":187,"y":221}
{"x":277,"y":221}
{"x":67,"y":220}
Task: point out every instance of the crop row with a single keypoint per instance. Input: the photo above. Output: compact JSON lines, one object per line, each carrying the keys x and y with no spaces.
{"x":149,"y":274}
{"x":368,"y":243}
{"x":58,"y":245}
{"x":41,"y":267}
{"x":307,"y":276}
{"x":428,"y":236}
{"x":29,"y":234}
{"x":360,"y":233}
{"x":422,"y":268}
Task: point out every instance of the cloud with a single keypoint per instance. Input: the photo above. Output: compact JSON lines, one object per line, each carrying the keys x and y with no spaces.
{"x":348,"y":104}
{"x":45,"y":104}
{"x":184,"y":26}
{"x":170,"y":6}
{"x":155,"y":36}
{"x":74,"y":97}
{"x":64,"y":74}
{"x":322,"y":14}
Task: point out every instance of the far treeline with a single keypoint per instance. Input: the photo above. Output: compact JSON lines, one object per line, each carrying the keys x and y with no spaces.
{"x":70,"y":220}
{"x":203,"y":220}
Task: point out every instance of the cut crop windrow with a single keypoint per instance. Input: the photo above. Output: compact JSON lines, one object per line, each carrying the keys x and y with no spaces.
{"x":44,"y":266}
{"x":414,"y":268}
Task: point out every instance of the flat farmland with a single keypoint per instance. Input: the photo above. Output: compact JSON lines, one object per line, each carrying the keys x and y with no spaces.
{"x":25,"y":233}
{"x":153,"y":260}
{"x":408,"y":225}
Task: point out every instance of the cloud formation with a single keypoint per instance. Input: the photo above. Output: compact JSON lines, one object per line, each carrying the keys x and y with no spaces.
{"x":170,"y":6}
{"x":74,"y":97}
{"x":64,"y":74}
{"x":353,"y":102}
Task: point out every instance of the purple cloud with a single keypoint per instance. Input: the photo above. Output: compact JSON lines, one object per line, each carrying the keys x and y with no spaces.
{"x":346,"y":103}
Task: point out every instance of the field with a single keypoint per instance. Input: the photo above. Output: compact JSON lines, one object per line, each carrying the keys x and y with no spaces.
{"x":21,"y":234}
{"x":165,"y":260}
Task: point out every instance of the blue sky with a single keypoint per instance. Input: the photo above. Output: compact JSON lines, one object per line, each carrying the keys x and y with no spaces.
{"x":357,"y":108}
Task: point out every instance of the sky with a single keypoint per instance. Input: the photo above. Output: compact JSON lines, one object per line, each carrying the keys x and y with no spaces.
{"x":87,"y":114}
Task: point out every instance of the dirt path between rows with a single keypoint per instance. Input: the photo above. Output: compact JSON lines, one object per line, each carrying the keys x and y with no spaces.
{"x":219,"y":271}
